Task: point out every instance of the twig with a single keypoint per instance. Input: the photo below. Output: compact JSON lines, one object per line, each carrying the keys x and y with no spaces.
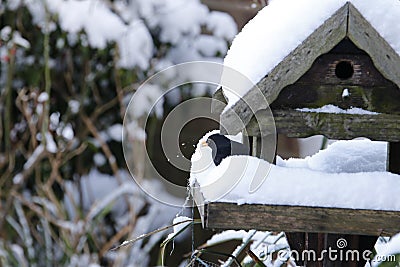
{"x":125,"y":230}
{"x":129,"y":242}
{"x":8,"y":112}
{"x":118,"y":87}
{"x":110,"y":157}
{"x":233,"y":257}
{"x":47,"y":78}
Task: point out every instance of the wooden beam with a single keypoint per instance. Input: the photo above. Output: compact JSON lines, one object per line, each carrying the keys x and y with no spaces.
{"x":290,"y":69}
{"x":220,"y":215}
{"x":293,"y":123}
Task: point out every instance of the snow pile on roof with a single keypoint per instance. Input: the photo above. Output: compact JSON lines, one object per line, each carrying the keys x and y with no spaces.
{"x":344,"y":156}
{"x":335,"y":109}
{"x":283,"y":25}
{"x":340,"y":176}
{"x":384,"y":252}
{"x":384,"y":17}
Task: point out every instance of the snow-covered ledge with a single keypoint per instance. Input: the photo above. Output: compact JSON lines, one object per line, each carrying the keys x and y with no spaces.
{"x":347,"y":183}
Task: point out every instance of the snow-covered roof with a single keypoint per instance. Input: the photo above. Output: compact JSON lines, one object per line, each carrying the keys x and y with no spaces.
{"x":285,"y":26}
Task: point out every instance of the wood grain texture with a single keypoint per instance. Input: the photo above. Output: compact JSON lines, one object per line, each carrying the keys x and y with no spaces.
{"x":219,"y":215}
{"x":293,"y":123}
{"x":290,"y":69}
{"x":347,"y":22}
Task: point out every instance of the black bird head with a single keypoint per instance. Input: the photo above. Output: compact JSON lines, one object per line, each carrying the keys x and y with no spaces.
{"x":223,"y":147}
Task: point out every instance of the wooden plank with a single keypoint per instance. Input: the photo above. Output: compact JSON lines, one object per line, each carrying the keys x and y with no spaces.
{"x":293,"y":123}
{"x":363,"y":35}
{"x":381,"y":99}
{"x":219,"y":215}
{"x":324,"y":71}
{"x":218,"y":101}
{"x":290,"y":69}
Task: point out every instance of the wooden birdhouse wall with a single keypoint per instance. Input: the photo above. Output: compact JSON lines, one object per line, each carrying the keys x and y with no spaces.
{"x":344,"y":67}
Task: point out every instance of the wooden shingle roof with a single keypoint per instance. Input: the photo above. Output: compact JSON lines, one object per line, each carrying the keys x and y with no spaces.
{"x":346,"y":22}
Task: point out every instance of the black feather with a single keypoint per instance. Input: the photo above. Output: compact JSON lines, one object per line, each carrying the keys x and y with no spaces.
{"x":223,"y":147}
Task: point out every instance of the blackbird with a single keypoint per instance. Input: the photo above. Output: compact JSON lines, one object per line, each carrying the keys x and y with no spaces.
{"x":223,"y":147}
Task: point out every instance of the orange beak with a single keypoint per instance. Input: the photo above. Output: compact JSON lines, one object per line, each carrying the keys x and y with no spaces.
{"x":204,"y":143}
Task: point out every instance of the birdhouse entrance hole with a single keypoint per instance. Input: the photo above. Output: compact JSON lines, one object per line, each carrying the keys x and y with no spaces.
{"x":344,"y":70}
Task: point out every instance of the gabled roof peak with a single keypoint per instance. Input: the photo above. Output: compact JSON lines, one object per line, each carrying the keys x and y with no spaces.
{"x":346,"y":22}
{"x":283,"y":25}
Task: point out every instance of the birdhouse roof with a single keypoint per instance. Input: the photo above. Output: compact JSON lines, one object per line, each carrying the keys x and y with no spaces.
{"x":281,"y":43}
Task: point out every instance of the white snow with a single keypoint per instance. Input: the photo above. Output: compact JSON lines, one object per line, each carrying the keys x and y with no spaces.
{"x":345,"y":93}
{"x":128,"y":24}
{"x":51,"y":145}
{"x":5,"y":34}
{"x":202,"y":162}
{"x":13,"y":4}
{"x":19,"y":40}
{"x":54,"y":120}
{"x":177,"y":18}
{"x":344,"y":156}
{"x":335,"y":109}
{"x":228,"y":235}
{"x":74,"y":106}
{"x":386,"y":250}
{"x":143,"y":100}
{"x":261,"y":243}
{"x":99,"y":159}
{"x":68,"y":132}
{"x":32,"y":159}
{"x":271,"y":35}
{"x":384,"y":17}
{"x":134,"y":131}
{"x":209,"y":46}
{"x":94,"y":17}
{"x":43,"y":97}
{"x":183,"y":222}
{"x":135,"y":46}
{"x":101,"y":26}
{"x":222,"y":25}
{"x":115,"y":132}
{"x":282,"y":25}
{"x":340,"y":176}
{"x":18,"y":178}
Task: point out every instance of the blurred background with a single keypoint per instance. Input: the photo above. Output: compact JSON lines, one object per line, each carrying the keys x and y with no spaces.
{"x":68,"y":71}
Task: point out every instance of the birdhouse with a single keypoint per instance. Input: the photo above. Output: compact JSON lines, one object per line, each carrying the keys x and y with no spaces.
{"x":342,"y":81}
